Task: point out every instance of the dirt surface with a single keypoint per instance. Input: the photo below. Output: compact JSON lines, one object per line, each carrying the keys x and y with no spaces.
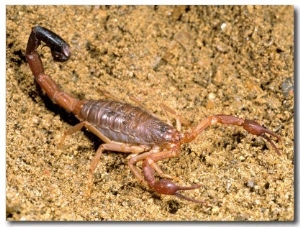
{"x":197,"y":60}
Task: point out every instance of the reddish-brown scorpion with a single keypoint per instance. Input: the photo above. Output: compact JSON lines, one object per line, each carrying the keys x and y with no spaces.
{"x":123,"y":127}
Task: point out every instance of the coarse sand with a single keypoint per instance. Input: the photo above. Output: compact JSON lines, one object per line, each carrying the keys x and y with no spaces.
{"x":198,"y":60}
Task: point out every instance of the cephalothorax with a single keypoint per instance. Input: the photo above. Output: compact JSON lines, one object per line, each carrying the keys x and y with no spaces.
{"x":124,"y":127}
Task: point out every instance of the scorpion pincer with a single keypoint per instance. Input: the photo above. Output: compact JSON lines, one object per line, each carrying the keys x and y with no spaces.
{"x":124,"y":127}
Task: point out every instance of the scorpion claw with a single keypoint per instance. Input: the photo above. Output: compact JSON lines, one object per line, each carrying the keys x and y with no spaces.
{"x":256,"y":129}
{"x":271,"y":142}
{"x":167,"y":187}
{"x":190,"y":199}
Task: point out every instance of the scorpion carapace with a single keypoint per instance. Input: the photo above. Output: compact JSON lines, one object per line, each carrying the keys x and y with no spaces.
{"x":124,"y":127}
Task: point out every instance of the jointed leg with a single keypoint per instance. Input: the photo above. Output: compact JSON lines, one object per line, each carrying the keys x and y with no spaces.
{"x":113,"y":146}
{"x":70,"y":131}
{"x":179,"y":119}
{"x":133,"y":160}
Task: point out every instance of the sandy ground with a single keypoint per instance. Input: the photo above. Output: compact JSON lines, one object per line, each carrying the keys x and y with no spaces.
{"x":199,"y":61}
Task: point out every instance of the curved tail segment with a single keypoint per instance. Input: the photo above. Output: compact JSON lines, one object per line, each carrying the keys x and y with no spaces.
{"x":60,"y":51}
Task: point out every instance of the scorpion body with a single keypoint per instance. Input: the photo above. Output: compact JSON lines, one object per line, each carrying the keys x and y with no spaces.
{"x":124,"y":127}
{"x":126,"y":123}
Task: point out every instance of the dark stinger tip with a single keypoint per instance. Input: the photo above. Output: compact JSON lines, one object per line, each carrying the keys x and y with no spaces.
{"x":60,"y":50}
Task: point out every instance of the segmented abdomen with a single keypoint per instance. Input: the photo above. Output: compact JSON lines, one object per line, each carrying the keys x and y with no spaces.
{"x":123,"y":122}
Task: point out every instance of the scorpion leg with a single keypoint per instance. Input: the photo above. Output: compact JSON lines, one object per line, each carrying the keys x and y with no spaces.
{"x":249,"y":125}
{"x":70,"y":131}
{"x":179,"y":119}
{"x":112,"y":146}
{"x":133,"y":160}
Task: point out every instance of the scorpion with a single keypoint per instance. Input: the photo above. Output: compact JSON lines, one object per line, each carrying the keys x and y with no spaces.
{"x":124,"y":127}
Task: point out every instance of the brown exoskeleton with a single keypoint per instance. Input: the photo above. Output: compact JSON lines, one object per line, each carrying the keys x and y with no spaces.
{"x":126,"y":128}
